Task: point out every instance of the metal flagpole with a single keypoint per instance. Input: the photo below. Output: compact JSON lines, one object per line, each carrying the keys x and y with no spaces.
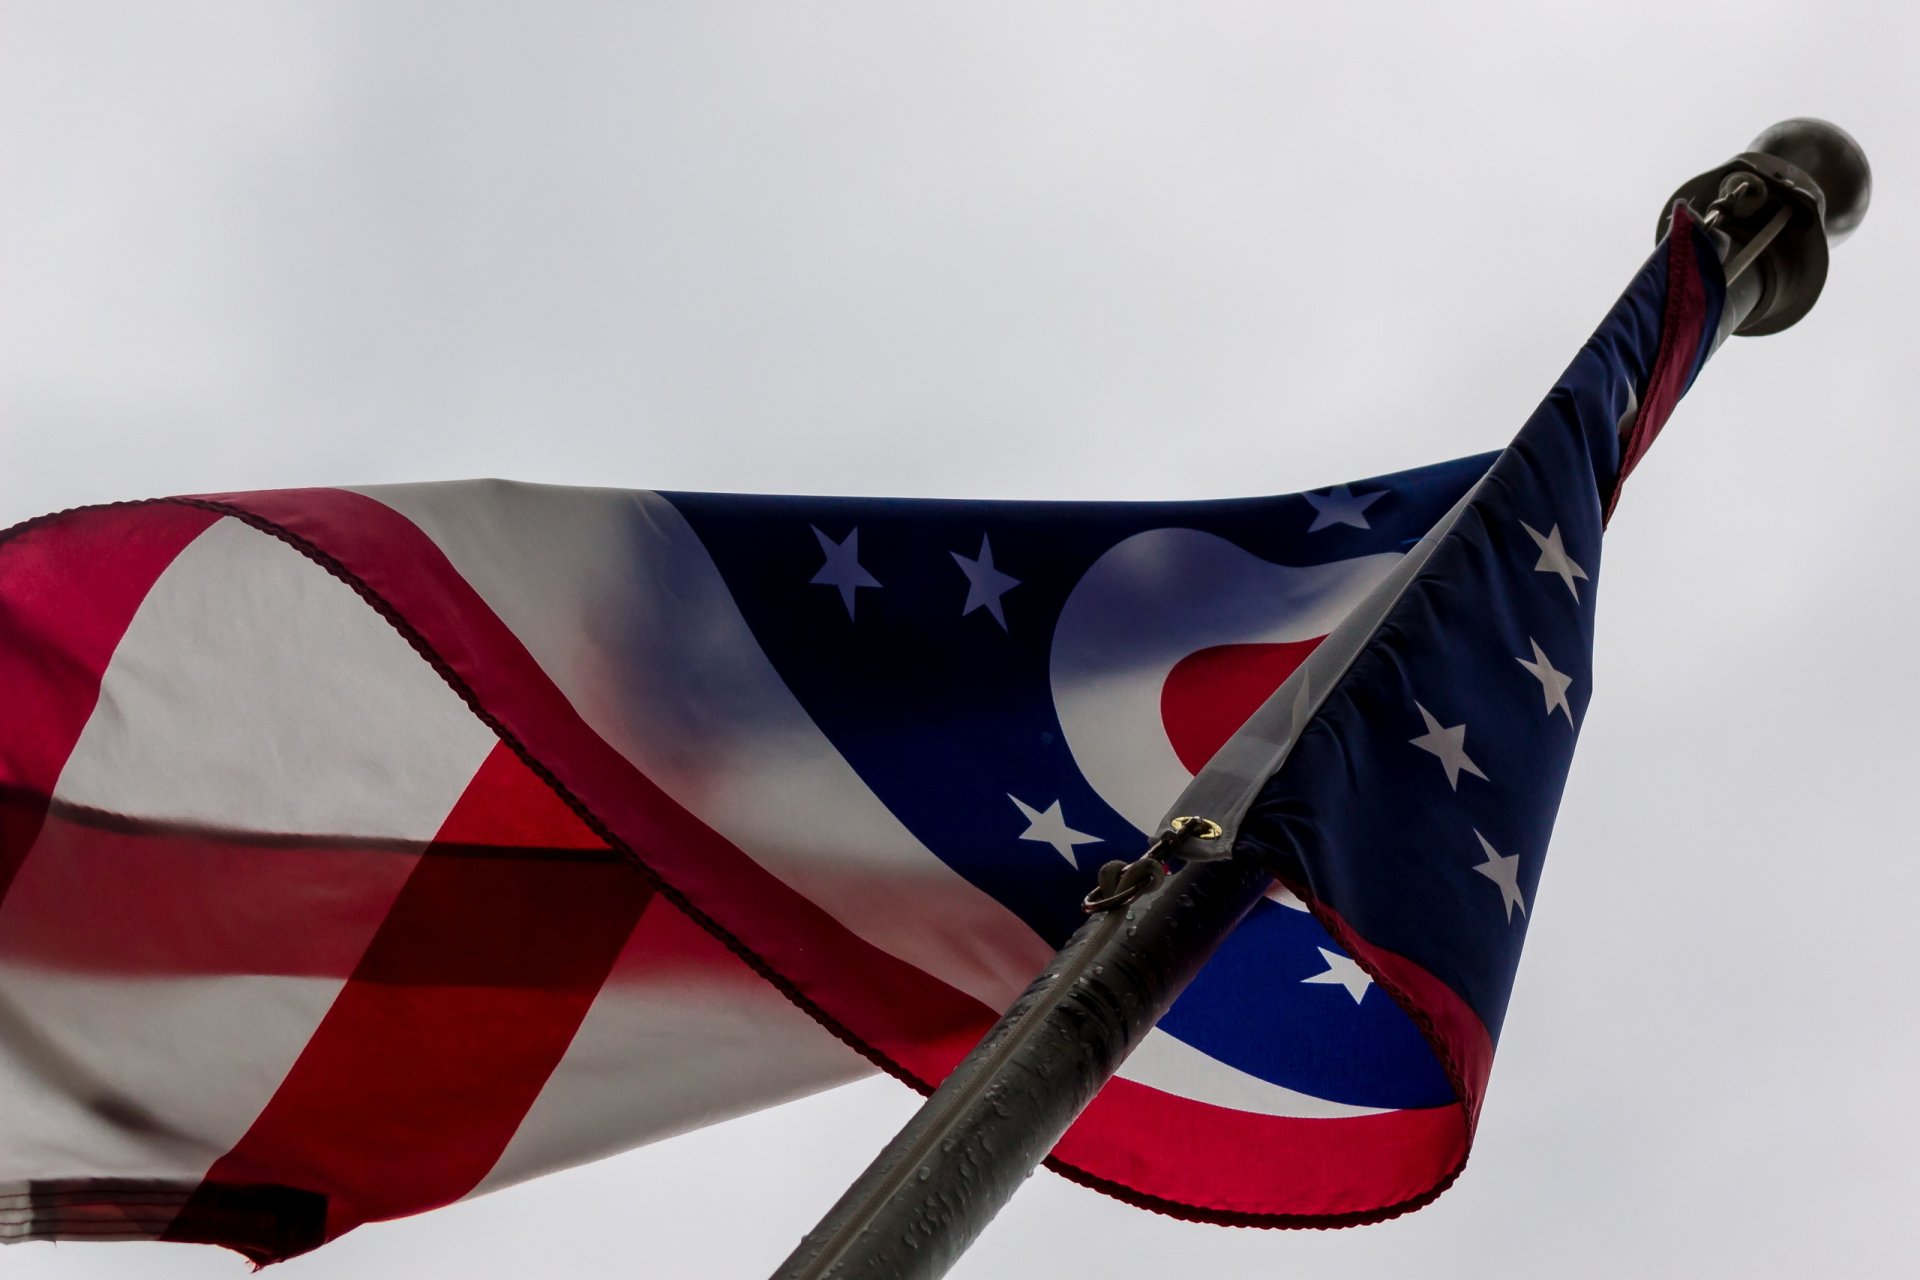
{"x":1773,"y":211}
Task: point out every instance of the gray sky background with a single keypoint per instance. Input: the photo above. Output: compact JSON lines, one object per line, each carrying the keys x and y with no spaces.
{"x":1085,"y":250}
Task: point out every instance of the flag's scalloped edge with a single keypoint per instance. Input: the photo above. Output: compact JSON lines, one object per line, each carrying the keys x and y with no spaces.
{"x":1242,"y":1218}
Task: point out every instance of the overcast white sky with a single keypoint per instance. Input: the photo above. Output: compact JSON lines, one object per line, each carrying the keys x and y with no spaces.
{"x":1085,"y":250}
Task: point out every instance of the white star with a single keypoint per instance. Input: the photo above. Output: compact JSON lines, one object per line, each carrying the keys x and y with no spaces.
{"x":1505,"y":872}
{"x":1449,"y":744}
{"x":842,"y":568}
{"x":1554,"y":557}
{"x":1051,"y":828}
{"x":985,"y":584}
{"x":1342,"y":971}
{"x":1553,"y":684}
{"x":1341,"y":505}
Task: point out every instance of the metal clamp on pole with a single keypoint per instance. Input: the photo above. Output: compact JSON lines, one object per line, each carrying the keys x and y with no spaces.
{"x":1122,"y":882}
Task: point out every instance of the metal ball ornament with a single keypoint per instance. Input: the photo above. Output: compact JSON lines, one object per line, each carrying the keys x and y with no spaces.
{"x":1837,"y":164}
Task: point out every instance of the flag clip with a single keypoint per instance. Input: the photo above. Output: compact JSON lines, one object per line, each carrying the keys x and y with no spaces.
{"x":1122,"y":882}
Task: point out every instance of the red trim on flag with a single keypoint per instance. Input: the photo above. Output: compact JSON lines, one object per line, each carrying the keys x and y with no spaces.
{"x":455,"y":1016}
{"x":1682,"y":325}
{"x":1229,"y":1164}
{"x":1458,"y":1037}
{"x":69,"y":587}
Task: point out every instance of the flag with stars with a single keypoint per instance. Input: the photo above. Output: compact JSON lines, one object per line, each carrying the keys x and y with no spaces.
{"x":364,"y":850}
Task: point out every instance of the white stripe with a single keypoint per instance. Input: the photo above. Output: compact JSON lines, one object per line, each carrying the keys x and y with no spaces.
{"x":616,"y":598}
{"x":251,"y":690}
{"x":668,"y":1047}
{"x":84,"y":1060}
{"x":1176,"y":1067}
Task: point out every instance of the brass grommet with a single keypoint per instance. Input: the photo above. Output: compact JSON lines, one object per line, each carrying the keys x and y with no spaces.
{"x":1192,"y":828}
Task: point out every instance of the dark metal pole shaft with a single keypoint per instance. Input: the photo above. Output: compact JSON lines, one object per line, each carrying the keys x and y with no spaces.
{"x":960,"y":1159}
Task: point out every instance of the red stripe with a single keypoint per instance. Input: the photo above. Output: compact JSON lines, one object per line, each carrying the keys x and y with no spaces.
{"x":903,"y":1019}
{"x":454,"y":1018}
{"x":152,"y":900}
{"x":69,"y":587}
{"x":1213,"y":1164}
{"x":1682,"y":324}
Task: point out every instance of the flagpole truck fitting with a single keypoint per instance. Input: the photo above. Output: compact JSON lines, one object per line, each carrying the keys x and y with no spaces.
{"x":1770,"y":213}
{"x":1798,"y":189}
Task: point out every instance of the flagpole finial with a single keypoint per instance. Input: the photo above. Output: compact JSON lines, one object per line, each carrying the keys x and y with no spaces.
{"x":1800,"y":188}
{"x":1836,"y":163}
